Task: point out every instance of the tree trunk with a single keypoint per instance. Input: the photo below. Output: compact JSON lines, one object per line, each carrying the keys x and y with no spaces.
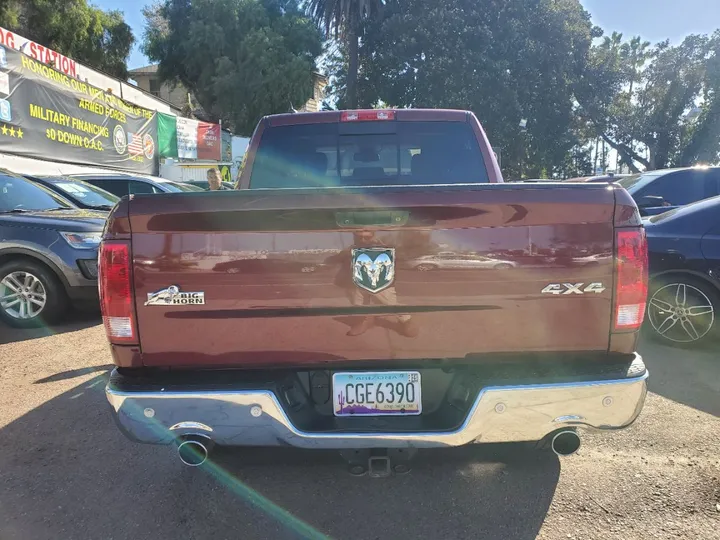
{"x":652,"y":159}
{"x":352,"y":78}
{"x":595,"y":159}
{"x":627,"y":154}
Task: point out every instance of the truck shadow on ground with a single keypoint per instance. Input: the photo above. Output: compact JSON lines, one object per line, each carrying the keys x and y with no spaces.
{"x":502,"y":491}
{"x":67,"y":472}
{"x":690,"y":377}
{"x":75,"y":320}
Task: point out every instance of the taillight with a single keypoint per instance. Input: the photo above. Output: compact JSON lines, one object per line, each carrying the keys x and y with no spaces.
{"x":632,"y":279}
{"x":116,"y":292}
{"x":366,"y":115}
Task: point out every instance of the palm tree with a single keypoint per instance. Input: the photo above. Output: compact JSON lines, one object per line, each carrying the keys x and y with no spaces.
{"x":635,"y":54}
{"x":342,"y":19}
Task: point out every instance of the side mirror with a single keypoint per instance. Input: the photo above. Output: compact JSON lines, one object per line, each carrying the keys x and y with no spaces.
{"x":651,"y":201}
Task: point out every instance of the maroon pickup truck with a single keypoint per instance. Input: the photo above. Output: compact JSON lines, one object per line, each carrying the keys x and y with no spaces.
{"x":373,"y":285}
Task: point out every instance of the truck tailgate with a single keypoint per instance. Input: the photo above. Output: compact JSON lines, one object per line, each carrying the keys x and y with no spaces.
{"x":293,"y":277}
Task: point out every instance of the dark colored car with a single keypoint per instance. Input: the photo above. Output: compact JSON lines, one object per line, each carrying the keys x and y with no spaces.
{"x":48,"y":252}
{"x":81,"y":194}
{"x":656,"y":192}
{"x":290,"y":312}
{"x":126,"y":184}
{"x":203,"y":184}
{"x":684,"y":253}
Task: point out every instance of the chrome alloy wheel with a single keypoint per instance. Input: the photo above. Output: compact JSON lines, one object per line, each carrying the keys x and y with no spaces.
{"x":22,"y":295}
{"x":681,"y":313}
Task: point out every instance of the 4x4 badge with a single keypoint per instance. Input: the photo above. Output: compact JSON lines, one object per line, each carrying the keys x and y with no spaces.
{"x":573,"y":288}
{"x":373,"y":268}
{"x":173,"y":297}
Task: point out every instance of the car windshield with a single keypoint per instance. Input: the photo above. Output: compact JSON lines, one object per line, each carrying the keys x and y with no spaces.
{"x":638,"y":180}
{"x":86,"y":193}
{"x":662,"y":217}
{"x":711,"y":204}
{"x":183,"y":187}
{"x":176,"y":187}
{"x":19,"y":194}
{"x":368,"y":154}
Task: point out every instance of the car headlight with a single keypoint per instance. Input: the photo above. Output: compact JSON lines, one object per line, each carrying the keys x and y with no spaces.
{"x":82,"y":240}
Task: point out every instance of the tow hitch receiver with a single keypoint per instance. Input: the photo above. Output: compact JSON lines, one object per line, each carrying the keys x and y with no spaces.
{"x":379,"y":466}
{"x":378,"y":462}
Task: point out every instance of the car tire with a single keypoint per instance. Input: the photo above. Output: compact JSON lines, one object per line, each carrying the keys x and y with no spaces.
{"x":503,"y":266}
{"x":683,"y":311}
{"x":43,"y":285}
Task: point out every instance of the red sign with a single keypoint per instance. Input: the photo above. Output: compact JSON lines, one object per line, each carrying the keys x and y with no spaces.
{"x":209,"y":142}
{"x":38,"y":52}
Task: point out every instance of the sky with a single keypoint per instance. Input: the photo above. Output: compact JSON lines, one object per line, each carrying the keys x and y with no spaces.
{"x":654,"y":20}
{"x":134,"y":17}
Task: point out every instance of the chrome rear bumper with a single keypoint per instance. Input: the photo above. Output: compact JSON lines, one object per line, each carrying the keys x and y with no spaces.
{"x":499,"y":414}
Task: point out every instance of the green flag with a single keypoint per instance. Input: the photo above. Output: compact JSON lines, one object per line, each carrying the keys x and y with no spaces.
{"x":167,"y":135}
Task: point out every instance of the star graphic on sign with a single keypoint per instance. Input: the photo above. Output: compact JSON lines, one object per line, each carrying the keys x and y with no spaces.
{"x":20,"y":133}
{"x":4,"y":129}
{"x":12,"y":131}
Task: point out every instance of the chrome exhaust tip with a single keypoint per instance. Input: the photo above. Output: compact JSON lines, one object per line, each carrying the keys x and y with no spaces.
{"x":193,"y":450}
{"x":565,"y":443}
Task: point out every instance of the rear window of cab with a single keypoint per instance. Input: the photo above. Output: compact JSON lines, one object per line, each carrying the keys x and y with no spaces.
{"x":368,"y":154}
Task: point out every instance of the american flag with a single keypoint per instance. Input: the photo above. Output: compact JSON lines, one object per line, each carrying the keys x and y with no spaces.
{"x":134,"y":144}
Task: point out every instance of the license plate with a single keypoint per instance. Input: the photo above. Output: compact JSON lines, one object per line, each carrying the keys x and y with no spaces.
{"x":377,"y":393}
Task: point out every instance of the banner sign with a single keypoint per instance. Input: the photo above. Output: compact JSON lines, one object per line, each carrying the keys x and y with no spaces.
{"x":209,"y":141}
{"x":43,"y":54}
{"x":186,"y":138}
{"x":46,"y":114}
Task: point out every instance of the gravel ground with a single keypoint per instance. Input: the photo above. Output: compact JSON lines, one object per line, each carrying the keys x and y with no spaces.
{"x":66,"y":472}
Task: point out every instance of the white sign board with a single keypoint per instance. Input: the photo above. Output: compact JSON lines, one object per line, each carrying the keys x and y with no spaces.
{"x":187,"y":138}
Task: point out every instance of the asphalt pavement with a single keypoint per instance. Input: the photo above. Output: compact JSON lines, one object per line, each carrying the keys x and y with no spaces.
{"x":66,"y":472}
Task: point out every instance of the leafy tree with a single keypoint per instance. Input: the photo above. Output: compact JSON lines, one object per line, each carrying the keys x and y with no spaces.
{"x":638,"y":99}
{"x":343,"y":19}
{"x":97,"y":38}
{"x":242,"y":59}
{"x":635,"y":54}
{"x":702,"y":141}
{"x":506,"y":60}
{"x":335,"y":63}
